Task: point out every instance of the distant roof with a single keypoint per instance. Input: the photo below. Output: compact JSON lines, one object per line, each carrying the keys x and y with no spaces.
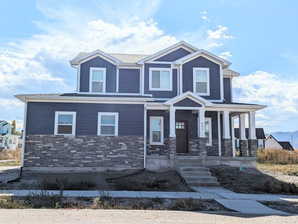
{"x":128,"y":58}
{"x":286,"y":146}
{"x":260,"y":134}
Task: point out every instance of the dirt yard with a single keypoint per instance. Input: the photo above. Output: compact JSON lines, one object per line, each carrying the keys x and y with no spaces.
{"x":251,"y":181}
{"x":125,"y":180}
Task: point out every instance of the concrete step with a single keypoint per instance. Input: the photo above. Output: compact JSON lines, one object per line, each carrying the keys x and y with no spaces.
{"x":193,"y":168}
{"x":195,"y":173}
{"x":200,"y":179}
{"x":209,"y":183}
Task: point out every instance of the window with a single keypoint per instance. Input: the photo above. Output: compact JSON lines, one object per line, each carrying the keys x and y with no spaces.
{"x":208,"y":130}
{"x":156,"y":130}
{"x":160,"y":79}
{"x":107,"y":124}
{"x":201,"y":81}
{"x":65,"y":123}
{"x":97,"y":80}
{"x":261,"y":144}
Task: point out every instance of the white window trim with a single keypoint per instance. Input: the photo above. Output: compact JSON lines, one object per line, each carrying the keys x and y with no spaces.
{"x":194,"y":80}
{"x":160,"y":69}
{"x":210,"y":130}
{"x":161,"y":131}
{"x":104,"y":78}
{"x":116,"y":114}
{"x":73,"y":131}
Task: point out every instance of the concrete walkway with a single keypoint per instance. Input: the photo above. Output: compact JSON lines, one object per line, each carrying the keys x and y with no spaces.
{"x":243,"y":203}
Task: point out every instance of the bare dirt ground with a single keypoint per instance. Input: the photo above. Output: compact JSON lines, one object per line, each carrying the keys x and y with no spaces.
{"x":73,"y":216}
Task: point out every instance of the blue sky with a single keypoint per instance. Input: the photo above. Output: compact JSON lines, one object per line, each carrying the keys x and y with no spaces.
{"x":38,"y":38}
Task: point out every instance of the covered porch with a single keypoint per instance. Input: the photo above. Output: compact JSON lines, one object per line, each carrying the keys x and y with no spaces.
{"x":190,"y":126}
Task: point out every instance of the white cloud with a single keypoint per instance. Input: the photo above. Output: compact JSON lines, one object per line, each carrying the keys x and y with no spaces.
{"x":221,"y":32}
{"x":204,"y":16}
{"x":226,"y":54}
{"x":280,"y":96}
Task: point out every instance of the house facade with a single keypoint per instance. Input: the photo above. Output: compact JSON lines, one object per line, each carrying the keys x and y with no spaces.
{"x":138,"y":111}
{"x":272,"y":143}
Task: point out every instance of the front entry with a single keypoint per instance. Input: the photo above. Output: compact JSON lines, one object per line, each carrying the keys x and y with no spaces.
{"x":181,"y":136}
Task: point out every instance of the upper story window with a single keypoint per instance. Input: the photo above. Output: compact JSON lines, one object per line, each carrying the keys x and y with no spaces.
{"x":160,"y":79}
{"x":108,"y":124}
{"x":65,"y":123}
{"x":97,"y":80}
{"x":201,"y":81}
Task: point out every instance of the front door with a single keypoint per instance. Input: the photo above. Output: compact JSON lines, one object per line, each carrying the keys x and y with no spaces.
{"x":181,"y":136}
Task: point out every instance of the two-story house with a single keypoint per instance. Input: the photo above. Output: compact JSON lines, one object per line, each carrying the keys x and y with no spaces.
{"x":138,"y":111}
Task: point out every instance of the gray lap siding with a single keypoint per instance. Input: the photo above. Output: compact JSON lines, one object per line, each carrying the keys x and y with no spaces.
{"x":41,"y":117}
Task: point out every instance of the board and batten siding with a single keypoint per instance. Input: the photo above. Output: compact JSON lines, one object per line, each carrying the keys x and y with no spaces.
{"x":214,"y":72}
{"x":41,"y":117}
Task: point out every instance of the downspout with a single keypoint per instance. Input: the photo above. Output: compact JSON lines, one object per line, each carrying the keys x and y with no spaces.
{"x":145,"y":135}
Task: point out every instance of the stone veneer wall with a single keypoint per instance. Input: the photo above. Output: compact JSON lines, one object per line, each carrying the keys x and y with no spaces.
{"x":213,"y":150}
{"x":226,"y":147}
{"x":197,"y":146}
{"x":119,"y":152}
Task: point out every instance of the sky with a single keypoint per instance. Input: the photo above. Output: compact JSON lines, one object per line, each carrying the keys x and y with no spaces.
{"x":38,"y":38}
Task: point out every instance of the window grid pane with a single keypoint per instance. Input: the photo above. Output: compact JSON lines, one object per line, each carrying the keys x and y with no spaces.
{"x":65,"y":119}
{"x":165,"y":80}
{"x":97,"y":75}
{"x":97,"y":86}
{"x":156,"y":79}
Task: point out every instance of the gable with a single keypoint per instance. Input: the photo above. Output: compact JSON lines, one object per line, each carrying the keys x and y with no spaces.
{"x":187,"y":103}
{"x":174,"y":55}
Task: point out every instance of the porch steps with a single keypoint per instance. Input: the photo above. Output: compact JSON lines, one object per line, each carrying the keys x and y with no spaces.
{"x":194,"y":173}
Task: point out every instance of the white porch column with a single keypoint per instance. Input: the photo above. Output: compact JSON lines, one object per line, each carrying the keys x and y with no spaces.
{"x":226,"y":125}
{"x":242,"y":133}
{"x":201,"y":123}
{"x":219,"y":133}
{"x":252,"y":125}
{"x":172,"y":122}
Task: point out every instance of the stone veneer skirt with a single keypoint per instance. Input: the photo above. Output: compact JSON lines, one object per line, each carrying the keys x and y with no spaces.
{"x":105,"y":152}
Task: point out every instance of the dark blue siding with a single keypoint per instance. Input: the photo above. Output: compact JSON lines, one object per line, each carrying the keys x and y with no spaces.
{"x":214,"y":70}
{"x":166,"y":123}
{"x":187,"y":103}
{"x":98,"y":62}
{"x":161,"y":94}
{"x":129,"y":80}
{"x":173,"y":56}
{"x":213,"y":115}
{"x":41,"y":117}
{"x":227,"y":90}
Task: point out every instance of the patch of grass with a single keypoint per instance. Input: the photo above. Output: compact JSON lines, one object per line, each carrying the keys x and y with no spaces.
{"x":10,"y":154}
{"x":45,"y":200}
{"x":275,"y":156}
{"x":287,"y":169}
{"x":251,"y":181}
{"x":10,"y":163}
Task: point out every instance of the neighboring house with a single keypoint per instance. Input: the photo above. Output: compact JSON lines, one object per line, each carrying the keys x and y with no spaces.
{"x":7,"y":139}
{"x":134,"y":111}
{"x":272,"y":143}
{"x":5,"y":127}
{"x":260,"y":136}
